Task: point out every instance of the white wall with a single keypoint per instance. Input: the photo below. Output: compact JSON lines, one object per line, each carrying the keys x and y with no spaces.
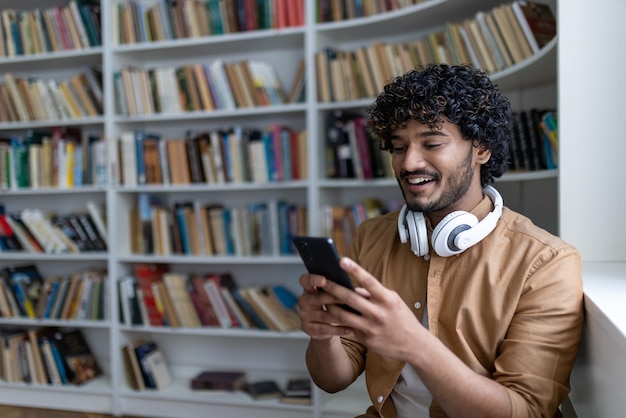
{"x":592,"y":90}
{"x":592,"y":116}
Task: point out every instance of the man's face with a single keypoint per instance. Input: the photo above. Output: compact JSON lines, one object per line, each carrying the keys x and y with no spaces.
{"x":438,"y":170}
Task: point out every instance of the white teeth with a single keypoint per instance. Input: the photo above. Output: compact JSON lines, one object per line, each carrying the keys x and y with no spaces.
{"x":418,"y":180}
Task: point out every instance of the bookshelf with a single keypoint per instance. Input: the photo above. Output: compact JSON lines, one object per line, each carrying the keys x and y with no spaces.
{"x":263,"y":354}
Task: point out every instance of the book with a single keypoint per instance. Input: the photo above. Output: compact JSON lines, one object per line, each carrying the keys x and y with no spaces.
{"x":297,"y":391}
{"x":536,"y":21}
{"x":146,"y":275}
{"x":81,"y":364}
{"x":158,"y":368}
{"x":264,"y":389}
{"x":26,"y":283}
{"x":232,"y":380}
{"x":142,"y":350}
{"x":131,"y":368}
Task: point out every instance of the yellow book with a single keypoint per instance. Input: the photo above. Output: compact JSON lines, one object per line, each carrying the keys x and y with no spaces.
{"x":70,"y":150}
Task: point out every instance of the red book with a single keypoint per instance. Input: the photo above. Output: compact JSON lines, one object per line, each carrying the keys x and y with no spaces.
{"x":146,"y":275}
{"x":202,"y":303}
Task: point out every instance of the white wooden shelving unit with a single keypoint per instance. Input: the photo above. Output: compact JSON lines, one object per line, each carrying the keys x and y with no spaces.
{"x":263,"y":354}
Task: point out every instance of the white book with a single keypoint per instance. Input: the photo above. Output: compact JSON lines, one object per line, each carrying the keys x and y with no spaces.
{"x":59,"y":100}
{"x":221,"y":310}
{"x":159,"y":369}
{"x":481,"y":19}
{"x":80,"y":27}
{"x":41,"y":229}
{"x":95,"y":212}
{"x":129,"y":158}
{"x":219,"y":75}
{"x":216,"y":145}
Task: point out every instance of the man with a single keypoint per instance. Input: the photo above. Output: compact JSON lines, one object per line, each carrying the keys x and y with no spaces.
{"x":487,"y":325}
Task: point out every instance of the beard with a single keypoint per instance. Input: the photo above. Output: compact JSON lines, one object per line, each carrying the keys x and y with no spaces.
{"x":455,"y":188}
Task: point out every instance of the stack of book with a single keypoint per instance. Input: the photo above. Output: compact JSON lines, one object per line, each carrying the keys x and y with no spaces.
{"x":337,"y":10}
{"x":58,"y":28}
{"x":24,"y":292}
{"x":155,"y":296}
{"x":57,"y":158}
{"x":145,"y":366}
{"x":24,"y":99}
{"x":47,"y":356}
{"x":194,"y":228}
{"x":135,"y":21}
{"x":207,"y":86}
{"x":31,"y":230}
{"x":492,"y":40}
{"x":534,"y":143}
{"x":235,"y":155}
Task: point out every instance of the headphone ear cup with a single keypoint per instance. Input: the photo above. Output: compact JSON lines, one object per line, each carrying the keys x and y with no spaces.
{"x":402,"y":225}
{"x":448,"y":229}
{"x":417,"y":233}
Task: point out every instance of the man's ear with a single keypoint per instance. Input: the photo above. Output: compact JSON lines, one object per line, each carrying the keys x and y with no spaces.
{"x":482,"y":154}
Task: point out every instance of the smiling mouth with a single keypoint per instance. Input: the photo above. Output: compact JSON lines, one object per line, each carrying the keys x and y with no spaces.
{"x":419,"y":180}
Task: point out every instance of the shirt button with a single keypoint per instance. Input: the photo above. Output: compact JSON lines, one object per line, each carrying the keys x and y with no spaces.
{"x":380,"y":399}
{"x":417,"y":305}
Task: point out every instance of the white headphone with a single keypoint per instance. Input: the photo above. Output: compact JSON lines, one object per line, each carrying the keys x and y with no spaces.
{"x":456,"y":232}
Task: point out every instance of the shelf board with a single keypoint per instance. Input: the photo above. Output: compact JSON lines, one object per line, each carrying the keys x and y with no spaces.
{"x":96,"y":120}
{"x":54,"y":190}
{"x":194,"y":259}
{"x":205,"y":187}
{"x":59,"y":60}
{"x":85,"y":256}
{"x":55,"y":323}
{"x":292,"y":108}
{"x":530,"y":72}
{"x":217,"y":332}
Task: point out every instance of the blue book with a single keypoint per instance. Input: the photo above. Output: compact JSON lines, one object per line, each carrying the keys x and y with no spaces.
{"x":50,"y":302}
{"x":141,"y":352}
{"x":248,"y":309}
{"x":286,"y":297}
{"x":183,"y":228}
{"x":141,"y":163}
{"x":59,"y":362}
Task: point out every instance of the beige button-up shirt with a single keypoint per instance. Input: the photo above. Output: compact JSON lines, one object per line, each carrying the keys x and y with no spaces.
{"x":510,"y":307}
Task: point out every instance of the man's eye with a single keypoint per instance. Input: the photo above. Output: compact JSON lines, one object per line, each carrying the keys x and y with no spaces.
{"x":398,"y":149}
{"x":432,"y":146}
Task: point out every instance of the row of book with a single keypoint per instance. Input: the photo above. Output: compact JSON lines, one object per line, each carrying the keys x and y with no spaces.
{"x":58,"y":28}
{"x":145,"y":366}
{"x":47,"y":356}
{"x":25,"y":293}
{"x":31,"y":230}
{"x":534,"y":143}
{"x":234,"y":155}
{"x":492,"y":40}
{"x":57,"y":158}
{"x":192,"y":228}
{"x":137,"y":22}
{"x":341,"y":222}
{"x":209,"y":86}
{"x":337,"y":10}
{"x":24,"y":99}
{"x":352,"y":149}
{"x":155,"y":296}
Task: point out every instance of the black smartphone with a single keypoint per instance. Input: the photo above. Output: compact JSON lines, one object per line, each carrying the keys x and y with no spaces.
{"x":320,"y":256}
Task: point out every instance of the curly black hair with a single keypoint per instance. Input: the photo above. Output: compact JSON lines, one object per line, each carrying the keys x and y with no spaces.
{"x":464,"y":95}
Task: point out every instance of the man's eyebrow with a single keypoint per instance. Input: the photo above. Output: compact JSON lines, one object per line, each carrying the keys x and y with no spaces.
{"x":424,"y":134}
